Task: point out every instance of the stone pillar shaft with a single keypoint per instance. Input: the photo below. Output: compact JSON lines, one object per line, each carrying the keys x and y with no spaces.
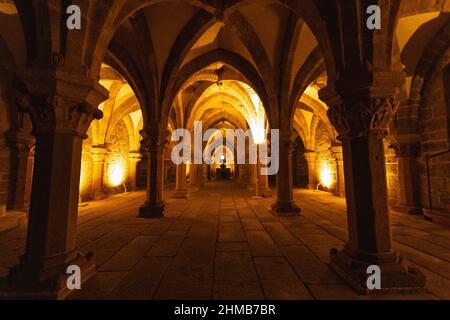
{"x":284,"y":204}
{"x":154,"y":204}
{"x":362,"y":122}
{"x":181,"y":191}
{"x":310,"y":157}
{"x":98,"y":169}
{"x":134,"y":158}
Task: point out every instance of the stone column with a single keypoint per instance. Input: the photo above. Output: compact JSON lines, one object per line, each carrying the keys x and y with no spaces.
{"x":60,"y":123}
{"x":252,"y":170}
{"x":155,"y":147}
{"x":336,"y":151}
{"x":98,"y":169}
{"x":362,"y":122}
{"x":181,"y":191}
{"x":263,"y":180}
{"x":134,"y":157}
{"x":200,"y":175}
{"x":21,"y":169}
{"x":310,"y":157}
{"x":408,"y":177}
{"x":284,"y":204}
{"x":193,"y":177}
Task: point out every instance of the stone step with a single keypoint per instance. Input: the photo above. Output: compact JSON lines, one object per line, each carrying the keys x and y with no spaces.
{"x":439,"y":216}
{"x":12,"y":220}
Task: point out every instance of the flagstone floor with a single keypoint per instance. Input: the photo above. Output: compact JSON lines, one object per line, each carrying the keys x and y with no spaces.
{"x":222,"y":244}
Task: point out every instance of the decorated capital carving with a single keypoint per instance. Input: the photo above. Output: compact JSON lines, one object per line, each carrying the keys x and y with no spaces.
{"x":363,"y":117}
{"x":153,"y":140}
{"x":53,"y":113}
{"x":406,"y":149}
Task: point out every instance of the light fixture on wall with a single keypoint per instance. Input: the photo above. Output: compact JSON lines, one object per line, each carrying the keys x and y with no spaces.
{"x":116,"y":171}
{"x":326,"y":176}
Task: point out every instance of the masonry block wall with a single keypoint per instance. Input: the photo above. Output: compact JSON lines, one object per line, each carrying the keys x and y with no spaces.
{"x":434,"y":130}
{"x":391,"y":174}
{"x":116,"y":163}
{"x":324,"y":158}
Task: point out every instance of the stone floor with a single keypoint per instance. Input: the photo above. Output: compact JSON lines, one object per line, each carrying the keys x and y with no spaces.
{"x":222,"y":244}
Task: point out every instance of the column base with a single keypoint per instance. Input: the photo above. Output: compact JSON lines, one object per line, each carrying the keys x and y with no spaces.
{"x":152,"y":210}
{"x":180,"y":194}
{"x":396,"y":276}
{"x":31,"y":282}
{"x":407,"y":209}
{"x":285,"y":209}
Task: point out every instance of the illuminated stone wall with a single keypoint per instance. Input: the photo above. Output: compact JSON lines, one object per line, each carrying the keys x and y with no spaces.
{"x":116,"y":162}
{"x":391,"y":174}
{"x":324,"y":159}
{"x":116,"y":165}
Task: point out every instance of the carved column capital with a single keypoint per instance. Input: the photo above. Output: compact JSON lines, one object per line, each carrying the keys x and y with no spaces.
{"x":54,"y":113}
{"x":363,"y":116}
{"x":154,"y":140}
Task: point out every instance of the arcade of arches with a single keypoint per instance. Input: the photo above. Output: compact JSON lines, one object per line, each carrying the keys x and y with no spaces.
{"x":86,"y":175}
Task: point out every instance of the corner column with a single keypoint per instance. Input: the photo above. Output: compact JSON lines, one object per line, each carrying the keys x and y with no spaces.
{"x":21,"y":169}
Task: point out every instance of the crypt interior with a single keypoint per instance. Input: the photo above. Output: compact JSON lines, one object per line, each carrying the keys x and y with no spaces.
{"x":86,"y":176}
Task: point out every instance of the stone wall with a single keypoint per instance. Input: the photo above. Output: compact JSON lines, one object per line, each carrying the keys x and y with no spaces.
{"x":324,"y":157}
{"x":434,"y":126}
{"x":118,"y":154}
{"x":391,"y":174}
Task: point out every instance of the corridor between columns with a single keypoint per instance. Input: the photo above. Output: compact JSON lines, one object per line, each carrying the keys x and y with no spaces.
{"x":222,"y":244}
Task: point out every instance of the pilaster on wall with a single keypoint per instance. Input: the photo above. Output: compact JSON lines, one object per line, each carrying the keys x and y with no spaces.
{"x":134,"y":157}
{"x":21,"y":169}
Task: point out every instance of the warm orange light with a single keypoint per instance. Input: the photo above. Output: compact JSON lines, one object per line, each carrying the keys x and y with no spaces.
{"x":326,"y":176}
{"x":116,"y":172}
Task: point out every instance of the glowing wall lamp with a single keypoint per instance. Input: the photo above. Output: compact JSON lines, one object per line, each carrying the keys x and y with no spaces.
{"x":326,"y":176}
{"x":116,"y":172}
